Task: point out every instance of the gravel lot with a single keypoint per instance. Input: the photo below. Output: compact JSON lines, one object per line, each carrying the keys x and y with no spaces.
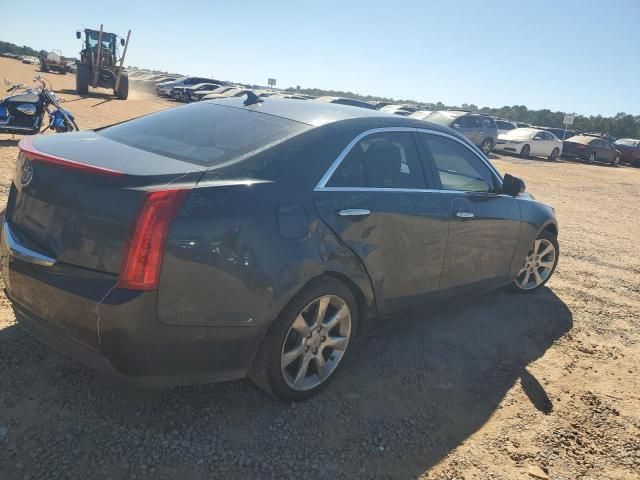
{"x":505,"y":386}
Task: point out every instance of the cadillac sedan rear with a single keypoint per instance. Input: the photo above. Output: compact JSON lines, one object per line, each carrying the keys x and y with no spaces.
{"x":94,"y":223}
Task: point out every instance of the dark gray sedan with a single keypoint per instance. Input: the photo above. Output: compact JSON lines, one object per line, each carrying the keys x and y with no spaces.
{"x":256,"y":237}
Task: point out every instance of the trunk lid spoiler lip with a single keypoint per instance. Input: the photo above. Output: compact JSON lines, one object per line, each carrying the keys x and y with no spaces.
{"x":30,"y":151}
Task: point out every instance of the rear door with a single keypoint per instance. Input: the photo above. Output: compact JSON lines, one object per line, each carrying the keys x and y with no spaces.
{"x":377,"y":202}
{"x":484,"y":225}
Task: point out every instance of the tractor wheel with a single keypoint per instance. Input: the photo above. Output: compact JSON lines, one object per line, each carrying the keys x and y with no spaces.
{"x":82,"y":79}
{"x":123,"y":88}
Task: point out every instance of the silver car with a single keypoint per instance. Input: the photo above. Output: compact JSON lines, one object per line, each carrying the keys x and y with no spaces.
{"x":480,"y":129}
{"x":164,"y":88}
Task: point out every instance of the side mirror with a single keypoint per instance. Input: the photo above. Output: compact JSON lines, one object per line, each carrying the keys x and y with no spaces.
{"x":78,"y":34}
{"x":122,"y":42}
{"x":537,"y":138}
{"x":456,"y":125}
{"x":512,"y":186}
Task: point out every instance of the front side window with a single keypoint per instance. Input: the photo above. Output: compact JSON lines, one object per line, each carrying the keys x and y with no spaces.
{"x":381,"y":160}
{"x":457,"y":166}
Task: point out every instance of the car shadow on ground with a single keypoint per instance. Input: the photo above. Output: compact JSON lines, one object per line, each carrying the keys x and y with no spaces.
{"x":409,"y":394}
{"x":9,"y":142}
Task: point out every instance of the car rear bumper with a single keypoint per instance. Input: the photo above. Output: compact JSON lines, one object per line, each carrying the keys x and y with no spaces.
{"x":81,"y":314}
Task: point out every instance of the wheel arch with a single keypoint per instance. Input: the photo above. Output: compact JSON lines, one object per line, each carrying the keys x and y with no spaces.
{"x":551,"y":227}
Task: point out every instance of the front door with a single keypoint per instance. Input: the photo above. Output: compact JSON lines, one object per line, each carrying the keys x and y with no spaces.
{"x":377,"y":204}
{"x":484,"y":225}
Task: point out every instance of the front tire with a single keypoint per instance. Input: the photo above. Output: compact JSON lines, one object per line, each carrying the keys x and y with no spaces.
{"x":307,"y":344}
{"x":616,"y":161}
{"x":526,"y":150}
{"x":592,"y":158}
{"x":554,"y":154}
{"x":123,"y":88}
{"x":539,"y":265}
{"x":82,"y":79}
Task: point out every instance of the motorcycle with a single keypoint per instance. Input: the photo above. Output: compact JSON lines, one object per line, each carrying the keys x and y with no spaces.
{"x":24,"y":112}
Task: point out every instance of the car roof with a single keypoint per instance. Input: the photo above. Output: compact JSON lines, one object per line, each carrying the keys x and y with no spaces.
{"x":317,"y":114}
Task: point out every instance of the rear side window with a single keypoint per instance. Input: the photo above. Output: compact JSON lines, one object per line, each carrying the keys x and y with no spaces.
{"x":381,"y":160}
{"x":487,"y":122}
{"x":203,"y":133}
{"x":457,"y":166}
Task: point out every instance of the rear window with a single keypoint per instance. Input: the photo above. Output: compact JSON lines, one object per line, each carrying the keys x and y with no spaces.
{"x":203,"y":133}
{"x":487,"y":122}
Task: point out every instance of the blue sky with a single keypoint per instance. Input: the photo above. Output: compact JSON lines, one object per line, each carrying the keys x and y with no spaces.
{"x":579,"y":56}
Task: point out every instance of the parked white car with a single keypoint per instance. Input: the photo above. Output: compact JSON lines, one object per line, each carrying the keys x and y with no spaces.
{"x":530,"y":142}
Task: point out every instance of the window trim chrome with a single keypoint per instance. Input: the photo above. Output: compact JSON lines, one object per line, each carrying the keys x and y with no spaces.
{"x":321,"y":186}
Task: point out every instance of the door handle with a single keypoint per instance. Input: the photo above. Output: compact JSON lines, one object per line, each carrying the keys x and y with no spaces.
{"x":465,"y":215}
{"x":354,"y":212}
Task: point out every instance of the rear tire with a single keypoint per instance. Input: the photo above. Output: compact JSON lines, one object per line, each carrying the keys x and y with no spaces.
{"x":526,"y":150}
{"x":487,"y":146}
{"x":539,"y":265}
{"x":123,"y":88}
{"x":554,"y":155}
{"x":82,"y":79}
{"x":271,"y":373}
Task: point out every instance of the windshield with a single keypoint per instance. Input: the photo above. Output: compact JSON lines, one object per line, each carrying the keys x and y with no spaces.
{"x":203,"y":133}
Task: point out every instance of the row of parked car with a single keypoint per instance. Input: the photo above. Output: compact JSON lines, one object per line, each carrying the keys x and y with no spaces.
{"x":487,"y":132}
{"x":23,"y":58}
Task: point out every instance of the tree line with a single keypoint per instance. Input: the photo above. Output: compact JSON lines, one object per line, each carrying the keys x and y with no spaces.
{"x":622,"y":125}
{"x":6,"y":47}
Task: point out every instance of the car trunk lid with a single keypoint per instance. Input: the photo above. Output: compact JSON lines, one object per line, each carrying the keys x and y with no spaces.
{"x":75,"y":196}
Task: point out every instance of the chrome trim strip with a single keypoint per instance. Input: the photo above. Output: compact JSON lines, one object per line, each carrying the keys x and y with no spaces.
{"x":321,"y":186}
{"x":374,"y":189}
{"x":354,"y":212}
{"x":18,"y":251}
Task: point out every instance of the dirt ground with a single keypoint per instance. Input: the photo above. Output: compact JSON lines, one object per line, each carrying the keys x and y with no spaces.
{"x":503,"y":387}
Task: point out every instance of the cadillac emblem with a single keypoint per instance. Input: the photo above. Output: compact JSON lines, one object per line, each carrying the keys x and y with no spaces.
{"x":27,"y":173}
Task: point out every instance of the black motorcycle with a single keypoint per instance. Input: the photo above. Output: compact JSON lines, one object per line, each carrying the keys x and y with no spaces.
{"x":24,"y":112}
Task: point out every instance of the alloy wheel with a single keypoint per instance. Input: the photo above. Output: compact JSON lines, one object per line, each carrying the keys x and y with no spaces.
{"x":538,"y":265}
{"x":616,"y":161}
{"x":525,"y":151}
{"x":554,"y":155}
{"x":592,"y":157}
{"x":316,"y":342}
{"x":486,"y":147}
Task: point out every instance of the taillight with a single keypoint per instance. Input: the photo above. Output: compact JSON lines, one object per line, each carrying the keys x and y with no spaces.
{"x":142,"y":259}
{"x":29,"y":151}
